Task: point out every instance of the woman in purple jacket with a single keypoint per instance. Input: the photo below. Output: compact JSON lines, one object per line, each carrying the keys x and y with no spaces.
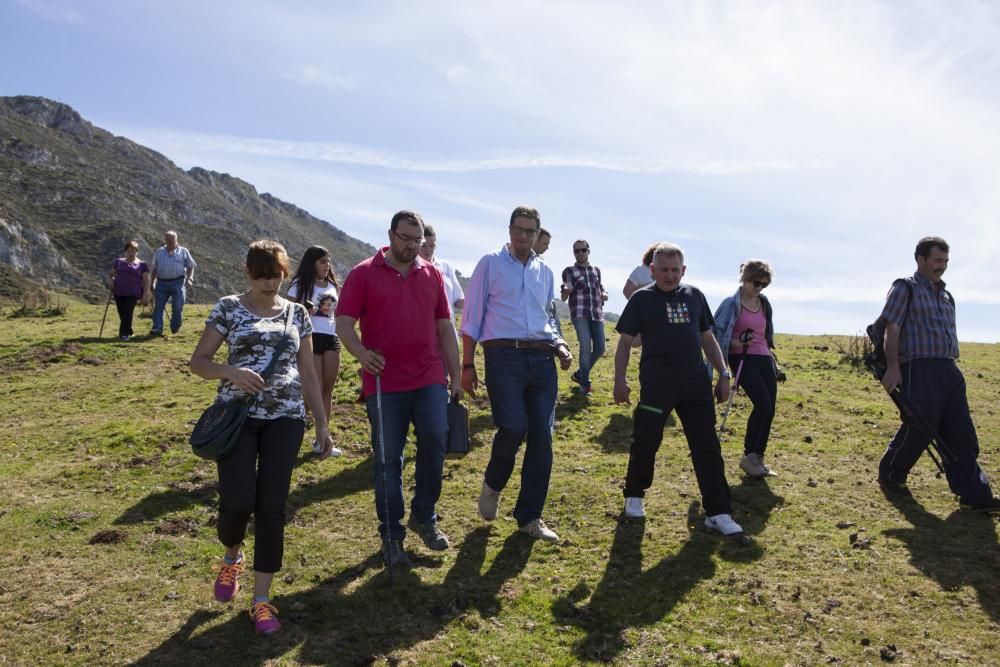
{"x":130,"y":283}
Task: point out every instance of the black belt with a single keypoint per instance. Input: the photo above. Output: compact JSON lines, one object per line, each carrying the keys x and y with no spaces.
{"x":543,"y":345}
{"x":177,"y":278}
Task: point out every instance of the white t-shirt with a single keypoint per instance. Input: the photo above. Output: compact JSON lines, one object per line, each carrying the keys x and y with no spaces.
{"x":640,"y":276}
{"x":452,"y":288}
{"x":325,"y":300}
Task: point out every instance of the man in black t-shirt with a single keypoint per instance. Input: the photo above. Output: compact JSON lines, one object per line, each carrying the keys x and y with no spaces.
{"x":676,"y":326}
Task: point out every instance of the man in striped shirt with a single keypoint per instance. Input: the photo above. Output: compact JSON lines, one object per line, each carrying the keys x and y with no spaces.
{"x":581,"y":284}
{"x":172,"y":273}
{"x":921,"y":346}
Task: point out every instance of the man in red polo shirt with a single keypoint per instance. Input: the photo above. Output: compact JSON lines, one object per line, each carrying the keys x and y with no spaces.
{"x":406,"y":337}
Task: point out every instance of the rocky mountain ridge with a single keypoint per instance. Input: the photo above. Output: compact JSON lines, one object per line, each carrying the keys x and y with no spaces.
{"x":72,"y":194}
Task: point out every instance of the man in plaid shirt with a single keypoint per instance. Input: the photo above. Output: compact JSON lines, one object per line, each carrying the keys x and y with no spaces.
{"x":581,"y":284}
{"x":921,"y":346}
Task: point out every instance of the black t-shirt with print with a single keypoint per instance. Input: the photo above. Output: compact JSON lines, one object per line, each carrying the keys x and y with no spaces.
{"x":671,"y":324}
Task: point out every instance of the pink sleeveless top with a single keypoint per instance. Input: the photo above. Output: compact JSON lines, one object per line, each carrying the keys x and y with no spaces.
{"x":756,"y":323}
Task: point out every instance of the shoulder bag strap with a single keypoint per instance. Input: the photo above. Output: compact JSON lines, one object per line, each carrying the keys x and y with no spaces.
{"x":282,"y":344}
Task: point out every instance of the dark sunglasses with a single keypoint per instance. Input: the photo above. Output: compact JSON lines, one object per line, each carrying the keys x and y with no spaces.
{"x":760,"y":284}
{"x":581,"y":249}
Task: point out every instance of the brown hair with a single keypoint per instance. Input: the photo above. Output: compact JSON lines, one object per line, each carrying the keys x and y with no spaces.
{"x":542,"y":232}
{"x":132,"y":244}
{"x":647,"y":257}
{"x":927,"y":244}
{"x":755,"y":269}
{"x":266,"y":259}
{"x":526,"y":212}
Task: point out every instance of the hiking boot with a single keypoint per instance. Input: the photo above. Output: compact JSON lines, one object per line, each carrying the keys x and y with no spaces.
{"x":723,"y":523}
{"x":575,"y":377}
{"x":153,"y":333}
{"x":433,"y":538}
{"x":489,"y":502}
{"x":227,"y":584}
{"x":265,"y":618}
{"x":394,"y":554}
{"x":538,"y":530}
{"x":634,"y":508}
{"x":991,"y":506}
{"x":891,"y":490}
{"x":318,"y":449}
{"x":753,"y":465}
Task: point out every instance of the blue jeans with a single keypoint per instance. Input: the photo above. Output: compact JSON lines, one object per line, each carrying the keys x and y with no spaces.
{"x":174,"y":291}
{"x":522,"y":386}
{"x":427,"y":408}
{"x":591,"y":336}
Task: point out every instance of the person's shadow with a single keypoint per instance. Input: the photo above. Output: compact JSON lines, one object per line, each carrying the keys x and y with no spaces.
{"x":628,"y":597}
{"x":336,"y":622}
{"x":959,"y":550}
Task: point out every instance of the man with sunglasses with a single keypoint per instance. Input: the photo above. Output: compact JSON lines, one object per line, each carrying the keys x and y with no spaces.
{"x":581,"y":285}
{"x":505,"y":312}
{"x":407,"y":338}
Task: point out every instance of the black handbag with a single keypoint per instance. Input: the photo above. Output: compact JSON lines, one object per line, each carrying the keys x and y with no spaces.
{"x":218,"y":428}
{"x":458,"y":431}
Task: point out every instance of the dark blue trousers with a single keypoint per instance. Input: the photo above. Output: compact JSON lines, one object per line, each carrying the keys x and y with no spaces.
{"x":936,"y":388}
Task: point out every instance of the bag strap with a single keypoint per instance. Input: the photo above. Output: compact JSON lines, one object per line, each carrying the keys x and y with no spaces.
{"x":282,"y":344}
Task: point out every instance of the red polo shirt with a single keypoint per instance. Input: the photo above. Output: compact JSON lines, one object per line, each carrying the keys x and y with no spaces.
{"x":398,"y":317}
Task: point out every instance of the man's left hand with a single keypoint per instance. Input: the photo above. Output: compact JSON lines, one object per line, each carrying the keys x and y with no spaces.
{"x":722,"y":390}
{"x":456,"y":391}
{"x":565,"y":357}
{"x":189,"y":282}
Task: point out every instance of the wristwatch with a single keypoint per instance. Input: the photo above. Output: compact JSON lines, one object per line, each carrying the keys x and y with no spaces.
{"x":725,"y":374}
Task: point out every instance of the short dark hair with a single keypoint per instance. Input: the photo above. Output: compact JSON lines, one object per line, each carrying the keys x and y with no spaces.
{"x":266,"y":259}
{"x":429,"y":231}
{"x":410,"y":216}
{"x":583,"y":241}
{"x":132,"y":244}
{"x":526,"y":212}
{"x":756,"y":269}
{"x":927,"y":244}
{"x":542,"y":232}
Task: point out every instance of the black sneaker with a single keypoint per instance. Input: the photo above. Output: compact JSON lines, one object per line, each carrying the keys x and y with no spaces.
{"x":154,"y":333}
{"x":575,"y":377}
{"x":892,"y":490}
{"x":991,"y":506}
{"x":433,"y":538}
{"x":394,"y":554}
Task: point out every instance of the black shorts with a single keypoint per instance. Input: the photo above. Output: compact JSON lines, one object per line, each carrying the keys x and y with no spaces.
{"x":325,"y":343}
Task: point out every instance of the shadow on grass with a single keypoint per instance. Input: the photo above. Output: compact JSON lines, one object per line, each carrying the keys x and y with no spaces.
{"x":617,"y":434}
{"x":329,"y":625}
{"x":344,"y":483}
{"x":957,"y":551}
{"x":628,"y":597}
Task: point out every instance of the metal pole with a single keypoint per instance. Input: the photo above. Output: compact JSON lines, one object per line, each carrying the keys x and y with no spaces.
{"x":385,"y":484}
{"x":111,"y":291}
{"x":746,"y":337}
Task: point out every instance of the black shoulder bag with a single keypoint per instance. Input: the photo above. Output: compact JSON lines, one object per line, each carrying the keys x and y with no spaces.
{"x":219,"y":426}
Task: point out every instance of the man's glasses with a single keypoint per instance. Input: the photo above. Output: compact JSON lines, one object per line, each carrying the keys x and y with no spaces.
{"x":409,"y":240}
{"x":585,"y":250}
{"x":523,"y":231}
{"x":761,"y":284}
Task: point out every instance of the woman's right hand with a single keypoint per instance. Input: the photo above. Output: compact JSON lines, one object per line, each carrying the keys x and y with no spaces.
{"x":246,"y":379}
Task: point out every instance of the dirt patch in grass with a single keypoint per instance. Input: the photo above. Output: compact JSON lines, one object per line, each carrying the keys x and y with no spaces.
{"x":112,"y":536}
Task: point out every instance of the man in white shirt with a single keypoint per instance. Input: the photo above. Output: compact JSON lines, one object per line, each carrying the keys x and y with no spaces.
{"x":456,"y":296}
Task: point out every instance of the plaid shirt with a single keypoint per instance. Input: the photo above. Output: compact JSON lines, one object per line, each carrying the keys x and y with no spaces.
{"x":585,"y":300}
{"x":927,"y":324}
{"x":170,"y":266}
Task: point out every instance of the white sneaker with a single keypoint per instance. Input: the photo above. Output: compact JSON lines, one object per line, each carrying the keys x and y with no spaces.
{"x":538,"y":530}
{"x":318,"y":449}
{"x":634,"y":508}
{"x":489,"y":502}
{"x":723,"y":523}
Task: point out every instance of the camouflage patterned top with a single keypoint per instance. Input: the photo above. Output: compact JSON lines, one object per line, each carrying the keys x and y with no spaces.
{"x":252,"y":341}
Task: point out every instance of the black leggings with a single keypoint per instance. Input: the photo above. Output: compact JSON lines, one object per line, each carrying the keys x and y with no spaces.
{"x":254,"y":479}
{"x":758,"y":381}
{"x":125,"y":306}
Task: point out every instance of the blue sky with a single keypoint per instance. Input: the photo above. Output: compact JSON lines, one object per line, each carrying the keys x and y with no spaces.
{"x":824,"y":137}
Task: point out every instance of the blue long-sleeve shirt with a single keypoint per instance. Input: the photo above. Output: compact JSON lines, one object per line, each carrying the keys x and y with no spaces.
{"x":508,"y":299}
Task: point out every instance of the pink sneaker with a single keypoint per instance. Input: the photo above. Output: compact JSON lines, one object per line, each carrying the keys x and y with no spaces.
{"x":227,"y":584}
{"x":265,"y":618}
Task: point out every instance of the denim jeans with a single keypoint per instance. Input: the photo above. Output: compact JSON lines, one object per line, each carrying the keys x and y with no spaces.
{"x":174,"y":291}
{"x":522,"y":386}
{"x":427,"y":408}
{"x":591,"y":336}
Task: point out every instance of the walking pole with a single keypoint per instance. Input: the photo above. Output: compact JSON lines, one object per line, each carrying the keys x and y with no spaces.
{"x":385,"y":484}
{"x":746,"y":336}
{"x":111,"y":291}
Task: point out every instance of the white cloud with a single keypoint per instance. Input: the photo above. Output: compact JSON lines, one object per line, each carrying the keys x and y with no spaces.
{"x":324,"y":77}
{"x":52,"y":10}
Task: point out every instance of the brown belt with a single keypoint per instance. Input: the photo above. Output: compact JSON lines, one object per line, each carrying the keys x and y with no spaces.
{"x":543,"y":345}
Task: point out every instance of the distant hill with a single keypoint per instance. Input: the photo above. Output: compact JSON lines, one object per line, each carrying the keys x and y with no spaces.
{"x":71,"y":195}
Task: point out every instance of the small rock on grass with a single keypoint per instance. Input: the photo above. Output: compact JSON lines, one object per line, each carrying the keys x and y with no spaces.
{"x":889,"y":652}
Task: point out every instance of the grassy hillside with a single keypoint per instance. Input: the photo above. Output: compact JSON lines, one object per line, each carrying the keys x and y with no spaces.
{"x":107,"y":525}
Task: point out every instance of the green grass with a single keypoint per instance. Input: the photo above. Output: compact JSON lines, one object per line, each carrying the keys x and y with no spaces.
{"x":94,"y":444}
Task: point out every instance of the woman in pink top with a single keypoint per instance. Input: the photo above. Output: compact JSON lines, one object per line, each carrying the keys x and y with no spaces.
{"x":745,"y":331}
